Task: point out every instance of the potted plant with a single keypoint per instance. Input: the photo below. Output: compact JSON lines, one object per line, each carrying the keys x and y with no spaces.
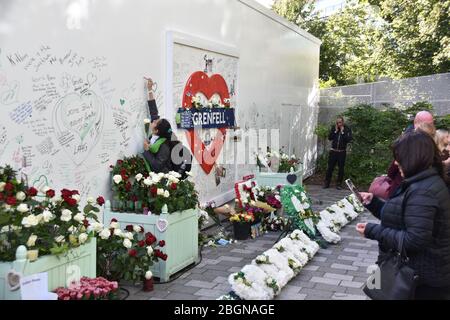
{"x":242,"y":225}
{"x":127,"y":253}
{"x":172,"y":205}
{"x":274,"y":167}
{"x":43,"y":232}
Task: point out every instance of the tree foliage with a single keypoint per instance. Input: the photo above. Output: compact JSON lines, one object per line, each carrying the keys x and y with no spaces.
{"x":369,"y":39}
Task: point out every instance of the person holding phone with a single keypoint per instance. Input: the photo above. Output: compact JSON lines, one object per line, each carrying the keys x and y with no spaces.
{"x":418,"y":212}
{"x":340,"y":136}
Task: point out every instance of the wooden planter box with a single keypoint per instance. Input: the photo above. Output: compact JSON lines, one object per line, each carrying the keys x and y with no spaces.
{"x":269,"y":179}
{"x":181,"y":237}
{"x":59,"y":268}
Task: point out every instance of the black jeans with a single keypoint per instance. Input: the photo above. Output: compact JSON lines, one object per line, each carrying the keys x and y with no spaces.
{"x":339,"y":159}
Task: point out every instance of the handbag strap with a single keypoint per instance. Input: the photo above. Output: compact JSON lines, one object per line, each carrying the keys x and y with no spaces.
{"x":401,"y":248}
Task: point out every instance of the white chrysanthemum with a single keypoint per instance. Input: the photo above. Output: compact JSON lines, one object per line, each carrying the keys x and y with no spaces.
{"x":127,"y":243}
{"x":82,"y":238}
{"x":96,"y":227}
{"x":148,"y":181}
{"x":79,"y":217}
{"x":31,"y":242}
{"x":66,"y":215}
{"x":148,"y":275}
{"x":114,"y":225}
{"x":47,"y":216}
{"x":160,"y":192}
{"x":90,"y":200}
{"x":105,"y":234}
{"x":21,"y":196}
{"x":30,"y":221}
{"x":22,"y":208}
{"x":117,"y":179}
{"x":149,"y":250}
{"x":118,"y":232}
{"x":128,"y":235}
{"x":166,"y":194}
{"x":139,"y":177}
{"x":327,"y":234}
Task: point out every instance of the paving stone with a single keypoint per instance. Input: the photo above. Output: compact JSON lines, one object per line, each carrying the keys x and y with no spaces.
{"x":287,"y":296}
{"x":324,"y":294}
{"x":362,"y":264}
{"x":338,"y":276}
{"x":211,"y":293}
{"x":319,"y":259}
{"x":326,"y":280}
{"x":183,"y":289}
{"x":310,"y":268}
{"x":343,"y":267}
{"x":361,"y":251}
{"x":344,"y":296}
{"x":181,"y":296}
{"x":235,"y":269}
{"x":201,"y":284}
{"x":331,"y":288}
{"x":228,"y":258}
{"x":220,"y":279}
{"x":351,"y":284}
{"x":243,"y":251}
{"x":349,"y":258}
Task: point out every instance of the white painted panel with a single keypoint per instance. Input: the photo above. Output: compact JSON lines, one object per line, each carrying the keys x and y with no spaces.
{"x":56,"y":55}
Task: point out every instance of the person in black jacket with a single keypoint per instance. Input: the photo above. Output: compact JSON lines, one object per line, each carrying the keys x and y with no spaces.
{"x":419,"y":211}
{"x":162,"y":151}
{"x":340,"y":135}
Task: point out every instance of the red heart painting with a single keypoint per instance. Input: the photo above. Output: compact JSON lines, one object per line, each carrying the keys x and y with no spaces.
{"x":200,"y":82}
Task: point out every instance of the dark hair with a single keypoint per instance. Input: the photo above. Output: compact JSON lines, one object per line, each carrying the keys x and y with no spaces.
{"x":165,"y":131}
{"x":340,"y":118}
{"x":416,"y":152}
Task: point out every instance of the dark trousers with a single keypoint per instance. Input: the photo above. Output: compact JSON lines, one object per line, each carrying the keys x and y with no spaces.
{"x":339,"y":159}
{"x":430,"y":293}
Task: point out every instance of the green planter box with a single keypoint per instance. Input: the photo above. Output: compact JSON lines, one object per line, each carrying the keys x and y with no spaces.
{"x":270,"y":179}
{"x":59,"y":269}
{"x":181,"y":237}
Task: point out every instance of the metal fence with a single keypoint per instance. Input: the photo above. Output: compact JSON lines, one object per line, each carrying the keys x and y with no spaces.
{"x":434,"y":89}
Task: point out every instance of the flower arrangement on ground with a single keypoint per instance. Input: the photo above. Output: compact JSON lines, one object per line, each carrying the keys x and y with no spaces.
{"x":274,"y":268}
{"x":126,"y":253}
{"x":337,"y":216}
{"x":89,"y":289}
{"x":273,"y":223}
{"x":242,"y":218}
{"x":298,"y":207}
{"x":50,"y":224}
{"x":306,"y":244}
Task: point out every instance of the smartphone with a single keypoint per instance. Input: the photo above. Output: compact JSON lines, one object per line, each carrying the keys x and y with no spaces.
{"x":353,"y":189}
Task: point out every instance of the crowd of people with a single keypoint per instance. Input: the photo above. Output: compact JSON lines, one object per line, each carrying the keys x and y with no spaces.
{"x":415,"y":212}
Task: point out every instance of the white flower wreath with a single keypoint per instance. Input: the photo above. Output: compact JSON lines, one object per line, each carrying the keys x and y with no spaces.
{"x":298,"y":253}
{"x":258,"y":278}
{"x":327,"y":234}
